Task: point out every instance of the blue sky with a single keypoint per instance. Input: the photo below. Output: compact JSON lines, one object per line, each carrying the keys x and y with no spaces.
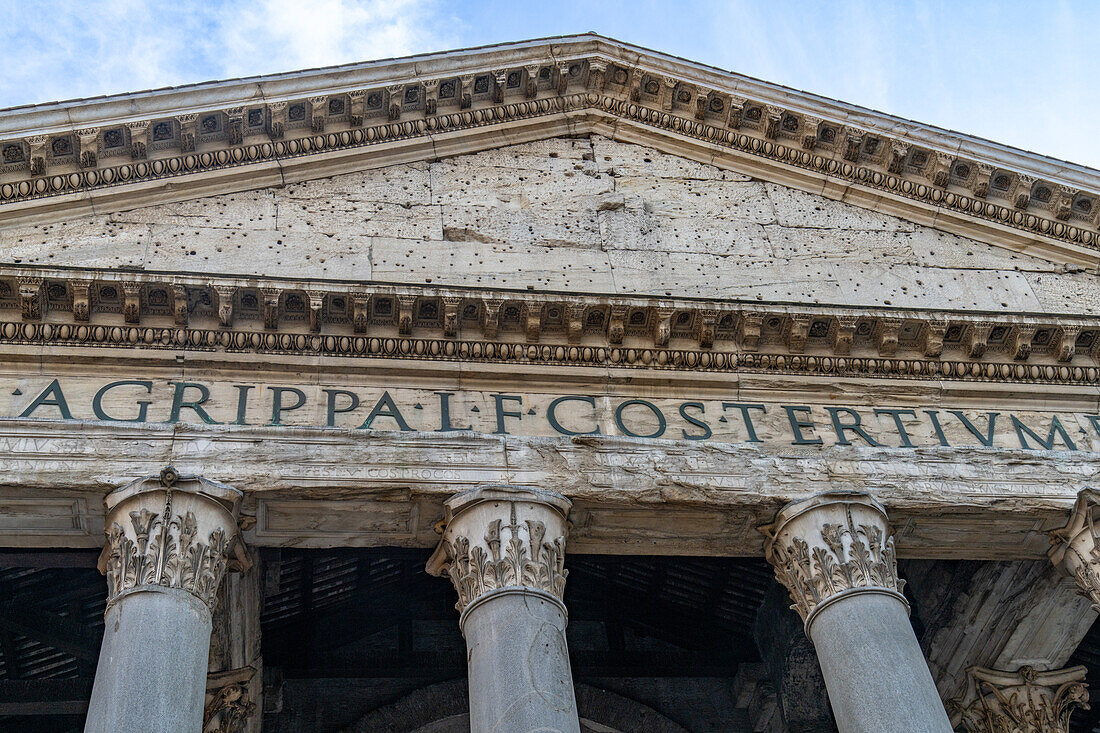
{"x":1021,"y":73}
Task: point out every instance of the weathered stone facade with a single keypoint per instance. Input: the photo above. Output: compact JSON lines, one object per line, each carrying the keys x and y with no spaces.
{"x":625,"y":304}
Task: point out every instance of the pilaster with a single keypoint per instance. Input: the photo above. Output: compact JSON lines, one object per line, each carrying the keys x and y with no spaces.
{"x":1025,"y":701}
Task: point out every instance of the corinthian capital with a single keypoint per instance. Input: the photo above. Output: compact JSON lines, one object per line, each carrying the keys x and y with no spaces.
{"x":830,"y":546}
{"x":502,"y":538}
{"x":1074,"y":547}
{"x":169,"y":532}
{"x":1026,"y":701}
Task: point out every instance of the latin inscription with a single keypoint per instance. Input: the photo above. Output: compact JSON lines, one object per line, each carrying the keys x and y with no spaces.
{"x":404,"y":409}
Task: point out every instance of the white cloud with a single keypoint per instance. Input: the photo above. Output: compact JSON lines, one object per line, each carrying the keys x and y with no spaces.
{"x":286,"y":35}
{"x":63,"y":50}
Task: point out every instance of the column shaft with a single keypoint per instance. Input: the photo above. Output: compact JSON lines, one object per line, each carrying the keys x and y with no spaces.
{"x":875,"y":673}
{"x":151,"y":675}
{"x":519,"y":664}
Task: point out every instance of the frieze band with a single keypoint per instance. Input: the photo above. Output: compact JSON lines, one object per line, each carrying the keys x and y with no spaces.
{"x":571,"y":415}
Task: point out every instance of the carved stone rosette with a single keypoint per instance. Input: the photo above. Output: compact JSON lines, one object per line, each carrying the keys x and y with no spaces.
{"x":832,"y":545}
{"x":1026,"y":701}
{"x":500,"y":538}
{"x":169,"y":532}
{"x":1074,"y":547}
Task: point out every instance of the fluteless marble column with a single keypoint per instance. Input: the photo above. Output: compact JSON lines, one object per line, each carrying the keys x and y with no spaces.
{"x":168,"y":544}
{"x":835,"y":555}
{"x":504,"y":549}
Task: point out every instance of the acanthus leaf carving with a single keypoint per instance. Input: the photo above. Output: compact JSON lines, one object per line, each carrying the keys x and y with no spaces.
{"x":798,"y":332}
{"x":575,"y":321}
{"x":845,"y":334}
{"x":450,"y":316}
{"x":750,"y":326}
{"x":360,"y":312}
{"x":316,"y":306}
{"x":888,"y":331}
{"x":225,"y":305}
{"x":270,"y":299}
{"x":139,"y":132}
{"x":154,"y":541}
{"x":616,"y":325}
{"x":30,"y":297}
{"x":180,"y":310}
{"x":1025,"y":701}
{"x":662,"y":327}
{"x":131,"y":302}
{"x":228,"y":705}
{"x":81,"y":292}
{"x":1076,"y":547}
{"x":497,"y":538}
{"x":830,"y":544}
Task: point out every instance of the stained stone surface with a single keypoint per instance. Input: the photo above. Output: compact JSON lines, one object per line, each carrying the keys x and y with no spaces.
{"x":876,"y":675}
{"x":152,"y":665}
{"x":519,"y":666}
{"x":579,"y":215}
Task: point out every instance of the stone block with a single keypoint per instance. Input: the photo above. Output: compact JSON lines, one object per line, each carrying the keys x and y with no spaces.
{"x":641,"y":161}
{"x":249,"y":210}
{"x":490,"y":264}
{"x":86,"y":242}
{"x":799,"y":209}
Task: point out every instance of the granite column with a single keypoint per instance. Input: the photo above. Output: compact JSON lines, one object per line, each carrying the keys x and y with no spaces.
{"x":835,"y":555}
{"x":504,"y":549}
{"x":168,"y":545}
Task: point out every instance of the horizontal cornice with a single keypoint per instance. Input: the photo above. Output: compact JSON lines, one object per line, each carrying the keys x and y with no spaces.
{"x":143,"y":310}
{"x":95,"y":156}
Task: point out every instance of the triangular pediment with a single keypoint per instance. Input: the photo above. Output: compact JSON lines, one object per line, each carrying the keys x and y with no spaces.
{"x":578,"y":215}
{"x":118,"y":153}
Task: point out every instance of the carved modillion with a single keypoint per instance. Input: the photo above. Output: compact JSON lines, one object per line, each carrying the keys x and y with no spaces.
{"x":180,"y":310}
{"x":225,"y":305}
{"x":30,"y":297}
{"x":81,"y":292}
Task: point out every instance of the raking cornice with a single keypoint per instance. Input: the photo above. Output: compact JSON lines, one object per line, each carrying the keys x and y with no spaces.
{"x":113,"y":153}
